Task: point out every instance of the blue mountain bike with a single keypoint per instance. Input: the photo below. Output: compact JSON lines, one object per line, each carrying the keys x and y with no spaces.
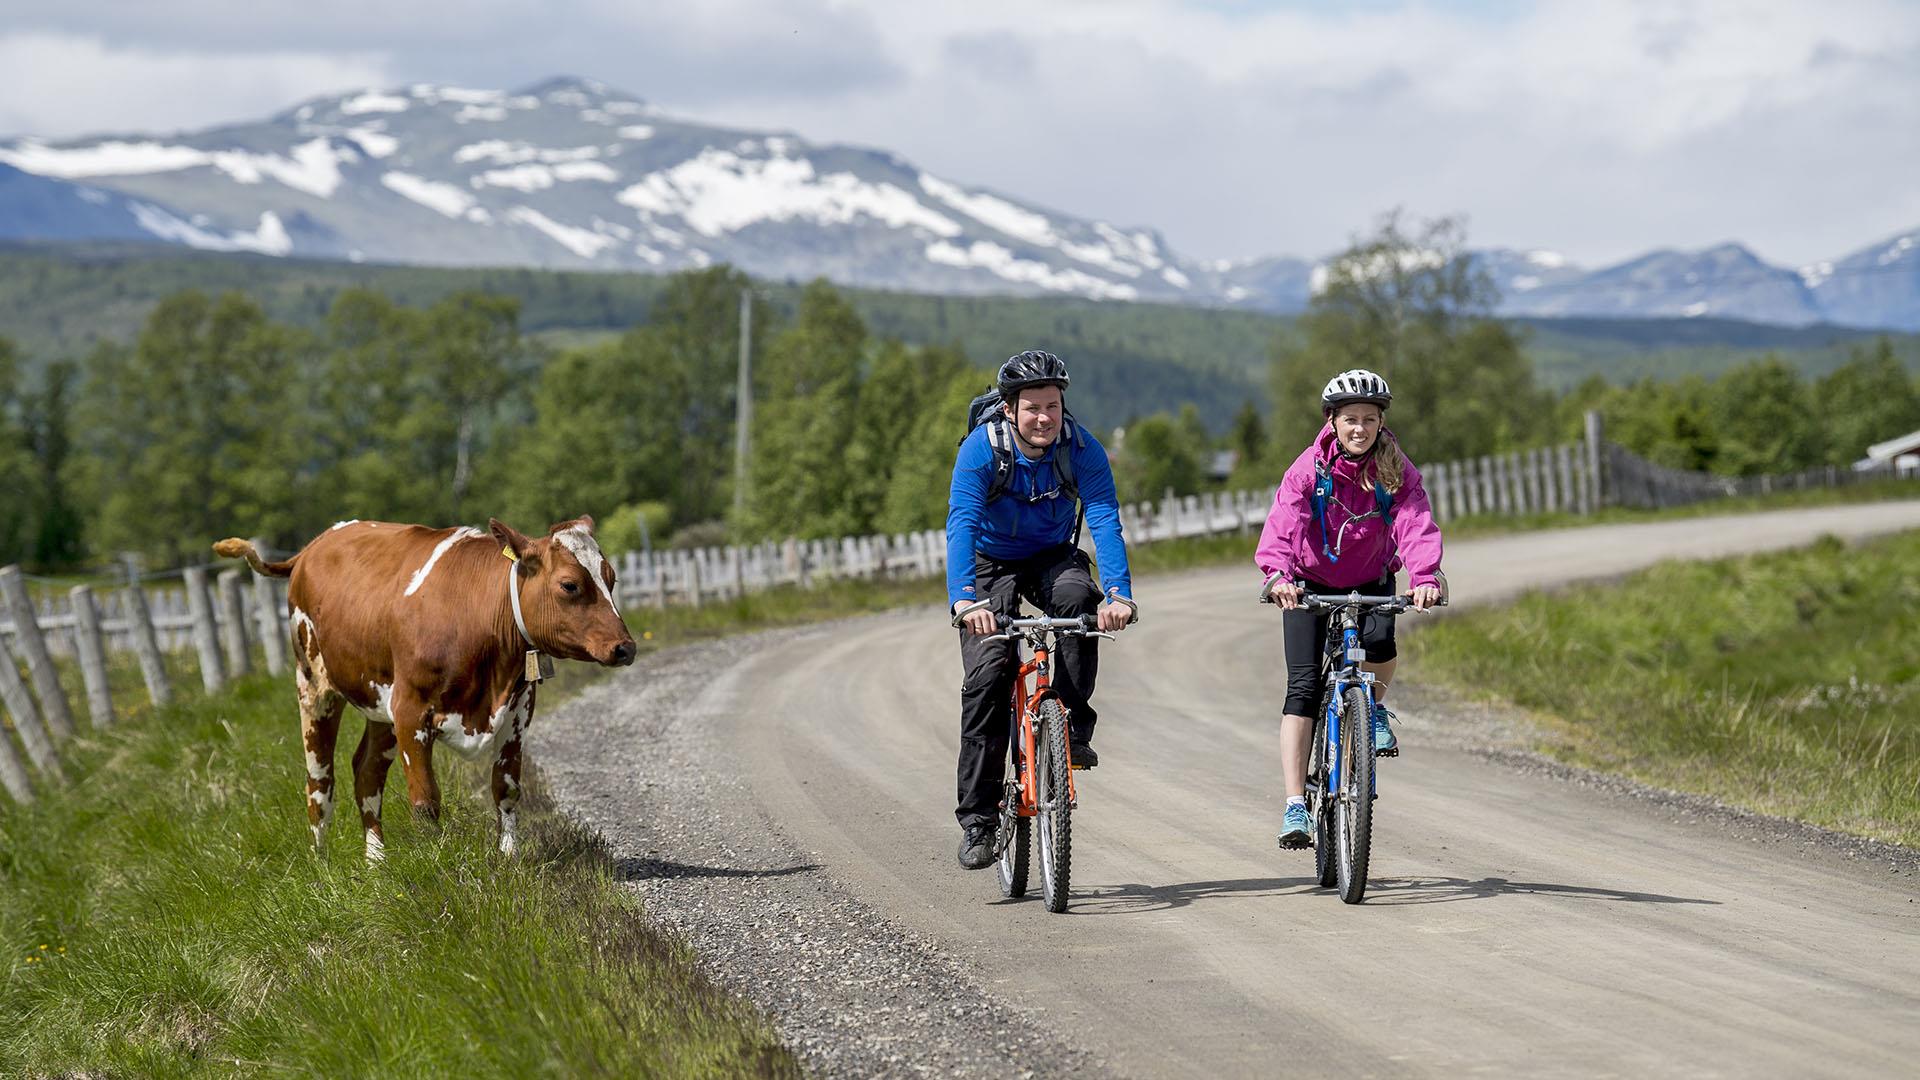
{"x":1340,"y":763}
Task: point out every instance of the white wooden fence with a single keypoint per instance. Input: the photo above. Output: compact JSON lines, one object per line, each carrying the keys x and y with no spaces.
{"x":224,"y":619}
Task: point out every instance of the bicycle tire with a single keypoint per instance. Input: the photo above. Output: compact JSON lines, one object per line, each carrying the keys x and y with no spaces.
{"x":1012,"y":864}
{"x":1318,"y":805}
{"x":1056,"y":816}
{"x":1353,"y":819}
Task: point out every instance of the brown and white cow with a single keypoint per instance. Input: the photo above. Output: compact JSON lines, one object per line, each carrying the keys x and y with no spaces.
{"x":418,"y":629}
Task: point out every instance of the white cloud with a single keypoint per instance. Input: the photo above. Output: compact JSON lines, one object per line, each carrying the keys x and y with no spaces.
{"x":63,"y":85}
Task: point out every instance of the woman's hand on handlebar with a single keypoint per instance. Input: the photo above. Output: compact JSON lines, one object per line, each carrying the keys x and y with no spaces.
{"x":979,"y":620}
{"x":1284,"y":594}
{"x":1425,"y":596}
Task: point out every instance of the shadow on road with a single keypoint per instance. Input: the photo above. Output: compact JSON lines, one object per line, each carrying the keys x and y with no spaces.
{"x":1135,"y":898}
{"x":1386,"y":892}
{"x":1441,"y":890}
{"x":637,"y":869}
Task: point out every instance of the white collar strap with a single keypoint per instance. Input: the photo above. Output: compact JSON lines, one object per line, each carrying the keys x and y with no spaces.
{"x":513,"y":593}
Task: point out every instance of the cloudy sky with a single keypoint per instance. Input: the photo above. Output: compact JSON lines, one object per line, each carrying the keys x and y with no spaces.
{"x":1599,"y":129}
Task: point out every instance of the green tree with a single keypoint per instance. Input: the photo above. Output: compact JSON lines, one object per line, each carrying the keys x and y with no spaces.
{"x":1766,"y":420}
{"x":466,"y":350}
{"x":606,"y":433}
{"x":17,"y":470}
{"x":199,"y":431}
{"x":1869,"y":399}
{"x":1414,"y":308}
{"x":1154,"y":456}
{"x":698,"y":320}
{"x":802,"y":482}
{"x":899,"y":390}
{"x":58,"y":531}
{"x":921,"y":480}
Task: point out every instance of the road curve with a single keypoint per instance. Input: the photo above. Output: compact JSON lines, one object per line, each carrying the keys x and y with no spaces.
{"x":1515,"y":922}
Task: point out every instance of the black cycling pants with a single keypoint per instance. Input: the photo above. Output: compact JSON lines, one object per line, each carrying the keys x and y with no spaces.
{"x":1304,"y":634}
{"x":1058,"y":581}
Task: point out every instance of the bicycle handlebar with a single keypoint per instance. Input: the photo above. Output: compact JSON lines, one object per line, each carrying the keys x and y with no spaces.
{"x":1391,"y":605}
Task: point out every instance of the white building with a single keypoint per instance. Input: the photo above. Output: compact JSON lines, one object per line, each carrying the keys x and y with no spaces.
{"x":1901,"y":455}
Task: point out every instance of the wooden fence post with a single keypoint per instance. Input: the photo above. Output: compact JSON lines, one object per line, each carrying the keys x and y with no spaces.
{"x":146,"y":645}
{"x":206,"y":636}
{"x":233,"y":622}
{"x":26,"y":719}
{"x":26,"y":633}
{"x":266,"y":614}
{"x":13,"y":772}
{"x":1596,"y":494}
{"x":91,"y":646}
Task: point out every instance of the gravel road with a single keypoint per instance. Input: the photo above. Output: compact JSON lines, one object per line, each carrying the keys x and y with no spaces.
{"x":784,"y":800}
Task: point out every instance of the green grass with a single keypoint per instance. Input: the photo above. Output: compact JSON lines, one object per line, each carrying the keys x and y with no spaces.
{"x":164,"y":915}
{"x":1470,"y":526}
{"x":1786,"y":683}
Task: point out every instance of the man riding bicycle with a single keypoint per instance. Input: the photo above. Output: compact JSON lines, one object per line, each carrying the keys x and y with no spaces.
{"x":1013,"y":531}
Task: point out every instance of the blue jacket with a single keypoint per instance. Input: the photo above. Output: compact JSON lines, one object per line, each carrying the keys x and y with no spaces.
{"x":1013,"y":526}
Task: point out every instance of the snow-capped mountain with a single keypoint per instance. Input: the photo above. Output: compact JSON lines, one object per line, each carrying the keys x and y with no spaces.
{"x":572,"y":174}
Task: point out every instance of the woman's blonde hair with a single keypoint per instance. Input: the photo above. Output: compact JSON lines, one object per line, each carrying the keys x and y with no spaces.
{"x":1389,"y":464}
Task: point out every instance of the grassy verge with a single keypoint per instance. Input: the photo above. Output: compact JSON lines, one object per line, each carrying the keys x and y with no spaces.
{"x":1871,"y":491}
{"x":163,"y":915}
{"x":1786,"y":683}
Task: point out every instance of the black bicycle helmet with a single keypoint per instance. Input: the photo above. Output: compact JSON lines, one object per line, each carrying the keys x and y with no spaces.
{"x":1029,"y":369}
{"x":1359,"y":384}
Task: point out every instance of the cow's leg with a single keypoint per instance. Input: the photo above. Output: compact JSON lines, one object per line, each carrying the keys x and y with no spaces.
{"x":506,"y":767}
{"x":412,"y":729}
{"x":370,"y":763}
{"x":319,"y":726}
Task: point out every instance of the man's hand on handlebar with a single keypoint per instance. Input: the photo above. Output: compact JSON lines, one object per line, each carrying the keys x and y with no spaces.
{"x":1115,"y":615}
{"x":979,"y":617}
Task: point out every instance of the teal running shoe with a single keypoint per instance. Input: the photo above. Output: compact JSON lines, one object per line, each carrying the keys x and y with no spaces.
{"x":1296,"y":829}
{"x":1385,"y":744}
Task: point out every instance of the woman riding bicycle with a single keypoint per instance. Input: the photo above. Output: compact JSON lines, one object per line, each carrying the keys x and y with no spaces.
{"x":1349,"y":514}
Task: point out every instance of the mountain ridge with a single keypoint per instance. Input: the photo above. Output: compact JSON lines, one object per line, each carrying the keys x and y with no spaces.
{"x":569,"y":173}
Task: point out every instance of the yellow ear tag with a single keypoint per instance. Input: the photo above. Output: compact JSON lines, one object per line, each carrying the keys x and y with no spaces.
{"x":508,"y":552}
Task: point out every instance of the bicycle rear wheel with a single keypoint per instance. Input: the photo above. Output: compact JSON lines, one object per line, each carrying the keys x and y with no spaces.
{"x":1353,"y":809}
{"x":1056,"y":818}
{"x":1012,"y":864}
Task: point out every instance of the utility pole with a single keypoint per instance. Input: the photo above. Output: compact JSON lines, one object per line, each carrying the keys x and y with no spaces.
{"x":743,"y":408}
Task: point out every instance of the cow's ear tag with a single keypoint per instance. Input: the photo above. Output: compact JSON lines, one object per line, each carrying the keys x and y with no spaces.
{"x":508,"y":552}
{"x":539,"y":666}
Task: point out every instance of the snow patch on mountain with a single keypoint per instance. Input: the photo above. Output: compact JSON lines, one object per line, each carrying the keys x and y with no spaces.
{"x":435,"y":195}
{"x":374,"y":101}
{"x":268,"y":238}
{"x":314,"y":167}
{"x":989,"y":256}
{"x":585,"y":243}
{"x":719,"y":192}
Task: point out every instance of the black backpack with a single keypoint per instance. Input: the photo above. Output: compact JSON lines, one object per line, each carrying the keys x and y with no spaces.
{"x":985,"y":409}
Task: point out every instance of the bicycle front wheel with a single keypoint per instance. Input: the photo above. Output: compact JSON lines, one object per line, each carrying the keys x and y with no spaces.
{"x":1353,"y":805}
{"x":1056,"y":811}
{"x":1320,"y":802}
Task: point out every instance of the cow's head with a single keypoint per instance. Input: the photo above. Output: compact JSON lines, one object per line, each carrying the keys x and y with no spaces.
{"x":566,"y":593}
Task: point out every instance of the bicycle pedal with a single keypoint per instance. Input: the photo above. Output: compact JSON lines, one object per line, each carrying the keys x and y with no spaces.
{"x":1392,"y":751}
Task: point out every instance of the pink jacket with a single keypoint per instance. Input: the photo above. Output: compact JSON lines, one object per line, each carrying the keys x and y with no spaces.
{"x":1291,"y":542}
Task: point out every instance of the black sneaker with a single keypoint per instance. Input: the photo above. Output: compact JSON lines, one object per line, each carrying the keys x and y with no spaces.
{"x":1082,"y":756}
{"x":976,"y":847}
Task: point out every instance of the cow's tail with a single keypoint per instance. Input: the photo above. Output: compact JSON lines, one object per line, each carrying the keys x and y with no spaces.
{"x":235,"y":548}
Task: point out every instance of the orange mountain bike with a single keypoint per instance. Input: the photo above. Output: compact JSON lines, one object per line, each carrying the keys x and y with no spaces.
{"x":1040,"y":780}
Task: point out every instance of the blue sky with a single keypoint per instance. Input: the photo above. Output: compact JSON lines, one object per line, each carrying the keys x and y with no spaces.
{"x":1597,"y":129}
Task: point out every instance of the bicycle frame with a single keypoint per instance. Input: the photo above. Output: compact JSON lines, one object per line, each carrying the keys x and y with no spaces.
{"x":1026,"y":710}
{"x":1338,"y":678}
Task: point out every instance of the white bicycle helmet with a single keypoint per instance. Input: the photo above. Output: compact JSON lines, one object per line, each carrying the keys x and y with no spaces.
{"x":1358,"y":384}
